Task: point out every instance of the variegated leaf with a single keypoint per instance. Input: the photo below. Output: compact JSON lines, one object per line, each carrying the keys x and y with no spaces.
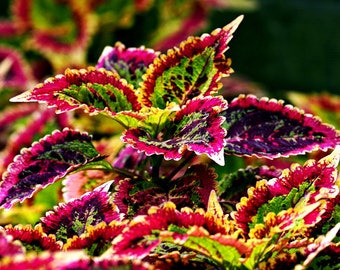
{"x":145,"y":233}
{"x":301,"y":196}
{"x":27,"y":128}
{"x":130,"y":63}
{"x":223,"y":250}
{"x":33,"y":239}
{"x":268,"y":128}
{"x":47,"y":161}
{"x":8,"y":246}
{"x":193,"y":69}
{"x":233,"y":185}
{"x":196,"y":127}
{"x":97,"y":239}
{"x":78,"y":183}
{"x":95,"y":91}
{"x":47,"y":38}
{"x":15,"y":72}
{"x":324,"y":105}
{"x":75,"y":217}
{"x":135,"y":197}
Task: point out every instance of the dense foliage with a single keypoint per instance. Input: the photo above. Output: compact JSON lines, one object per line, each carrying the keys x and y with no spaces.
{"x":139,"y":154}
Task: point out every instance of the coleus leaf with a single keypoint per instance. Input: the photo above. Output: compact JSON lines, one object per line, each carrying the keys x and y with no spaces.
{"x":9,"y":116}
{"x":130,"y":63}
{"x":95,"y":91}
{"x":332,"y":221}
{"x":196,"y":127}
{"x":224,"y":250}
{"x":320,"y":245}
{"x":193,"y":22}
{"x":135,"y":197}
{"x":185,"y":228}
{"x":191,"y":70}
{"x":8,"y":247}
{"x":47,"y":161}
{"x":300,"y":252}
{"x":308,"y":192}
{"x":29,"y":128}
{"x":74,"y":218}
{"x":172,"y":256}
{"x":128,"y":158}
{"x":74,"y":39}
{"x":268,"y":128}
{"x":21,"y":14}
{"x":107,"y":263}
{"x":324,"y":105}
{"x":194,"y":187}
{"x":234,"y":185}
{"x":47,"y":260}
{"x":33,"y":239}
{"x":78,"y":183}
{"x":97,"y":239}
{"x":14,"y":71}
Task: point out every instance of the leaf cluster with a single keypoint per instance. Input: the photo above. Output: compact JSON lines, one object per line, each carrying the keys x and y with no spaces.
{"x":144,"y":193}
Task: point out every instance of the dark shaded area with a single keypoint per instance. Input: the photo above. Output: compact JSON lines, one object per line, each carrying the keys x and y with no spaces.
{"x":287,"y":45}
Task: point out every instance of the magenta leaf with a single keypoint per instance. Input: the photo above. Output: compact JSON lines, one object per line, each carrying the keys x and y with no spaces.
{"x":128,"y":158}
{"x":324,"y":105}
{"x":27,"y":126}
{"x":198,"y":232}
{"x":137,"y":240}
{"x":95,"y":91}
{"x":193,"y":69}
{"x":193,"y":189}
{"x":307,"y":193}
{"x":78,"y":183}
{"x":28,"y":262}
{"x":130,"y":63}
{"x":97,"y":239}
{"x":7,"y":245}
{"x":106,"y":263}
{"x":74,"y":218}
{"x":323,"y":246}
{"x":11,"y":115}
{"x":268,"y":128}
{"x":196,"y":127}
{"x":33,"y":239}
{"x":135,"y":197}
{"x":15,"y":72}
{"x":47,"y":161}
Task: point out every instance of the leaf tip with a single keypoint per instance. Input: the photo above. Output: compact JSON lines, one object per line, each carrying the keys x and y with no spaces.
{"x":234,"y":24}
{"x":218,"y":157}
{"x":19,"y":98}
{"x":333,"y":158}
{"x":214,"y":206}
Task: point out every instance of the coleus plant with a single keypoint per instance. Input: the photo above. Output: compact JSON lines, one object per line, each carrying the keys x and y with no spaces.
{"x":158,"y":202}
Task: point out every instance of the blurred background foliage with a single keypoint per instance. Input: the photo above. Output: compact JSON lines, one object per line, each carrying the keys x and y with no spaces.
{"x":281,"y":45}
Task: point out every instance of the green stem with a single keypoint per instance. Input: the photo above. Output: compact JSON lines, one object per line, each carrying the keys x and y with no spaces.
{"x":156,"y":161}
{"x":179,"y":167}
{"x":125,"y":173}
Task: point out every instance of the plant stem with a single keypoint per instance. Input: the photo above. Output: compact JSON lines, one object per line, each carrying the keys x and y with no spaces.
{"x":156,"y":161}
{"x":125,"y":173}
{"x":179,"y":167}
